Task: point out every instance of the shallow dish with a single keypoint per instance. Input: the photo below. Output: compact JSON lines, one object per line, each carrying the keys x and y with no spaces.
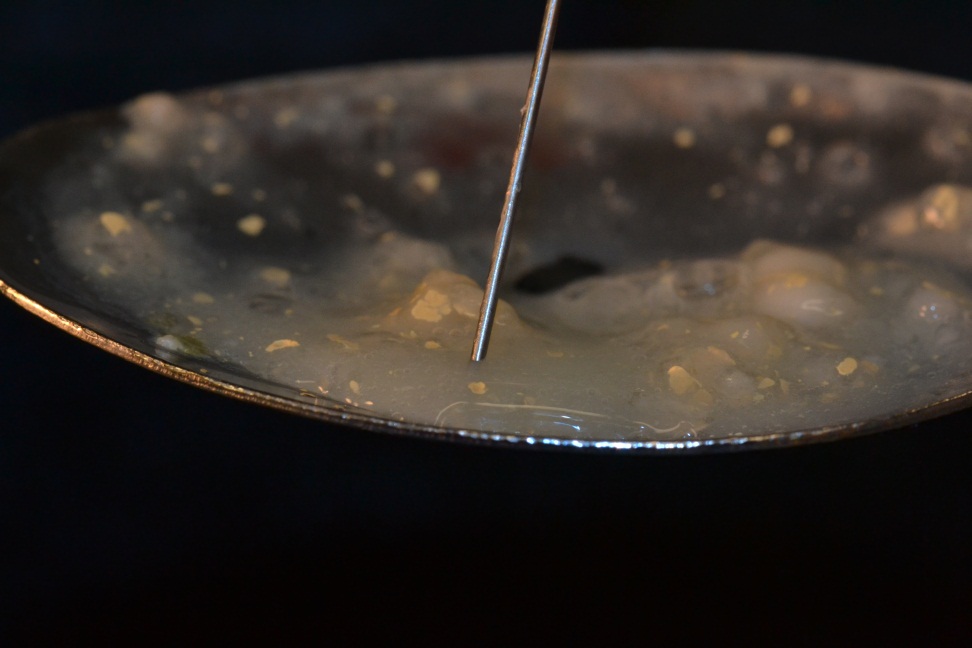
{"x":193,"y":235}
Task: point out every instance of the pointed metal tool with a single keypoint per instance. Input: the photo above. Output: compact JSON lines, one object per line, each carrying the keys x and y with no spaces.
{"x":488,"y":309}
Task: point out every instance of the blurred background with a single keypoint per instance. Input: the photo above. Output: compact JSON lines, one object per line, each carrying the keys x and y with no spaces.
{"x":137,"y":509}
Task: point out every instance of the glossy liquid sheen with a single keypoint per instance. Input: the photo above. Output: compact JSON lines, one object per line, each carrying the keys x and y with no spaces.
{"x":774,"y":337}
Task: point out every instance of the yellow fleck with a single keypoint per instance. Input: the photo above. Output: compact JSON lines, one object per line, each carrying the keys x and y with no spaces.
{"x":780,"y":135}
{"x":555,"y":354}
{"x":386,"y":104}
{"x":766,"y":383}
{"x":385,"y":168}
{"x":353,"y":202}
{"x":432,"y":344}
{"x":877,"y":291}
{"x":355,"y":387}
{"x":286,"y":117}
{"x":115,"y":223}
{"x":221,"y":189}
{"x":942,"y":210}
{"x":789,"y":281}
{"x":195,"y":320}
{"x":684,"y":138}
{"x":106,"y":270}
{"x":847,"y":366}
{"x":259,"y":195}
{"x":734,"y":335}
{"x":800,"y":95}
{"x":427,"y":180}
{"x":717,"y":191}
{"x":721,"y":355}
{"x":346,"y":343}
{"x":279,"y":277}
{"x":784,"y":386}
{"x":210,"y":144}
{"x":251,"y":225}
{"x":681,"y":381}
{"x":150,"y":206}
{"x":432,"y":306}
{"x":203,"y":298}
{"x":281,"y":344}
{"x":478,"y":388}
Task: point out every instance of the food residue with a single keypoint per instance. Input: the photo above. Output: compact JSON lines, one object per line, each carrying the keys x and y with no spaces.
{"x":847,"y":366}
{"x":684,"y":138}
{"x":203,"y":298}
{"x":427,"y":181}
{"x":281,"y":344}
{"x":279,"y":277}
{"x":779,"y":136}
{"x":115,"y":223}
{"x":752,"y":338}
{"x":252,"y":225}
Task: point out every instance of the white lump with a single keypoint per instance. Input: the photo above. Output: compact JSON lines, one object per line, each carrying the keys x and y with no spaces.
{"x":936,"y":224}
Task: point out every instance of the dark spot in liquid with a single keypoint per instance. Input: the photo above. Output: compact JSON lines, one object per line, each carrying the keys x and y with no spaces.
{"x":557,"y":274}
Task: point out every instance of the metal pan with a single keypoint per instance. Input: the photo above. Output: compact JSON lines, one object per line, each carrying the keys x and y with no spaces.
{"x":649,"y":157}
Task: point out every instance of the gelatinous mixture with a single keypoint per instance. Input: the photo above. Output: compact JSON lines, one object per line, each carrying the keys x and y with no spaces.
{"x":373,"y":317}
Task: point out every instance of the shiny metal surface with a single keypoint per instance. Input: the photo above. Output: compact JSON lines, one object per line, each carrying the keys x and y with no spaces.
{"x":354,"y":118}
{"x":527,"y":124}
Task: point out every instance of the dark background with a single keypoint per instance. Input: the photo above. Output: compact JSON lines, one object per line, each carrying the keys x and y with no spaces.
{"x":133,"y":508}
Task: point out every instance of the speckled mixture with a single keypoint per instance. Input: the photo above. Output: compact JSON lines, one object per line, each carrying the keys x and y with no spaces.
{"x":772,"y":337}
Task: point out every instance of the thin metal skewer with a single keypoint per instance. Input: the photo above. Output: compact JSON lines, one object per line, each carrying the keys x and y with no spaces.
{"x":488,"y":309}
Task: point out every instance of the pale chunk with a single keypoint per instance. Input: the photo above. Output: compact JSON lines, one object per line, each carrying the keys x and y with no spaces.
{"x":446,"y":303}
{"x":770,"y":260}
{"x":936,"y":224}
{"x":801,"y":301}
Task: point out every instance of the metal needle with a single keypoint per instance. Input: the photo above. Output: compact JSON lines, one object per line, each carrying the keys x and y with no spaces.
{"x":488,"y":309}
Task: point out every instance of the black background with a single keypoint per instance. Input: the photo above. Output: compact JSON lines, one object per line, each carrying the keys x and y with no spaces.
{"x":135,"y":508}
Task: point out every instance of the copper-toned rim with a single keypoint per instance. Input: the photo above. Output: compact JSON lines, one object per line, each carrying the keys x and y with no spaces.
{"x":378,"y":424}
